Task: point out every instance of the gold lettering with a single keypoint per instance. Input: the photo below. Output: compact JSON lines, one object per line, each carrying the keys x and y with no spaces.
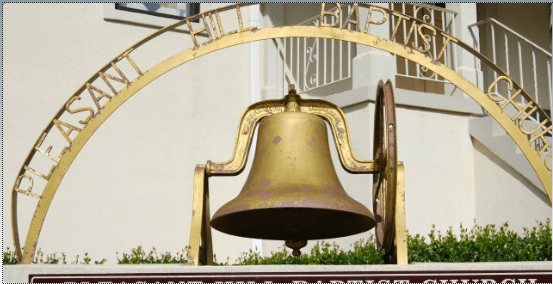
{"x":240,"y":20}
{"x":354,"y":9}
{"x":71,"y":111}
{"x":96,"y":100}
{"x":396,"y":28}
{"x":370,"y":19}
{"x":46,"y":177}
{"x":543,"y":139}
{"x":410,"y":33}
{"x":335,"y":14}
{"x":220,"y":26}
{"x":213,"y":26}
{"x":492,"y":85}
{"x":423,"y":37}
{"x":65,"y":134}
{"x":194,"y":33}
{"x":47,"y":151}
{"x":511,"y":100}
{"x":525,"y":117}
{"x":106,"y":76}
{"x":520,"y":110}
{"x":448,"y":39}
{"x":207,"y":28}
{"x":29,"y":189}
{"x":126,"y":55}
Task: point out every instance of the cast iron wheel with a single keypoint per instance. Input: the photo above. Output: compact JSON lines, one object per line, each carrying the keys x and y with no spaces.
{"x":385,"y":180}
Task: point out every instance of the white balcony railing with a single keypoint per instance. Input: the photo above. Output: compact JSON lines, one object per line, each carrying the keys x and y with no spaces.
{"x":524,"y":61}
{"x":310,"y":63}
{"x":528,"y":64}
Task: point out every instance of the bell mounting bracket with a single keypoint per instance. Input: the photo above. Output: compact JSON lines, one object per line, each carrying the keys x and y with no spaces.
{"x":388,"y":174}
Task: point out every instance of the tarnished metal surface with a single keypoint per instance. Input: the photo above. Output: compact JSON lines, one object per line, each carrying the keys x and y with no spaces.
{"x":292,"y":191}
{"x":249,"y":120}
{"x":401,"y":256}
{"x":385,"y":181}
{"x":106,"y":103}
{"x":200,"y":248}
{"x":254,"y":113}
{"x":337,"y":121}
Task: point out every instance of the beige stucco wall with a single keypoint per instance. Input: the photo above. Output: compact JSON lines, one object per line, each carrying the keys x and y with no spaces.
{"x":504,"y":195}
{"x":132,"y":183}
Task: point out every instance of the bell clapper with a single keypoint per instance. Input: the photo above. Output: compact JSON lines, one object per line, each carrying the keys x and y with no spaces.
{"x":296,"y":245}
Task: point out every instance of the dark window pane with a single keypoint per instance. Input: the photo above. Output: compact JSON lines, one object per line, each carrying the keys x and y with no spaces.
{"x":177,"y":11}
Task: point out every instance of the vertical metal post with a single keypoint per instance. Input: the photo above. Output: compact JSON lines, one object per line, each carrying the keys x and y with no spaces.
{"x":416,"y":37}
{"x":494,"y":57}
{"x":446,"y":53}
{"x":549,"y":85}
{"x":304,"y":75}
{"x":534,"y":66}
{"x":400,"y":218}
{"x":453,"y":49}
{"x":521,"y":76}
{"x":507,"y":54}
{"x":333,"y":43}
{"x":318,"y":65}
{"x":298,"y":63}
{"x":404,"y":24}
{"x":200,"y":245}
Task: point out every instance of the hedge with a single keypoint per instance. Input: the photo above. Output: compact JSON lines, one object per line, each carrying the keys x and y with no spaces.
{"x":479,"y":244}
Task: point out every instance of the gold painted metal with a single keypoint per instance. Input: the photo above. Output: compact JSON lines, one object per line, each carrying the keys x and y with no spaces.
{"x":200,"y":248}
{"x":254,"y":113}
{"x":249,"y":120}
{"x":245,"y":35}
{"x":293,"y":191}
{"x":337,"y":121}
{"x":401,"y":256}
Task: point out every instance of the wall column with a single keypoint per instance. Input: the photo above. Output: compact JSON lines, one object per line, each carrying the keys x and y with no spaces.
{"x":466,"y":63}
{"x":371,"y":64}
{"x":272,"y":73}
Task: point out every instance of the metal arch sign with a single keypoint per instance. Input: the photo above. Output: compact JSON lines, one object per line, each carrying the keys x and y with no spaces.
{"x":215,"y":35}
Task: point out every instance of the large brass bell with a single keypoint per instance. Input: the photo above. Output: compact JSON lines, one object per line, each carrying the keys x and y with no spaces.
{"x":292,"y":192}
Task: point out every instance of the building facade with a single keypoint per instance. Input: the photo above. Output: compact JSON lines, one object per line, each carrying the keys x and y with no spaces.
{"x":132,"y":183}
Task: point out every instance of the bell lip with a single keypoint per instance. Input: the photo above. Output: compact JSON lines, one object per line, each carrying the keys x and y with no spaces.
{"x":360,"y":209}
{"x":224,"y":222}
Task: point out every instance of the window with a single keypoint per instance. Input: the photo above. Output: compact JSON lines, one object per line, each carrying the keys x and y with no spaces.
{"x":156,"y":15}
{"x":177,"y":11}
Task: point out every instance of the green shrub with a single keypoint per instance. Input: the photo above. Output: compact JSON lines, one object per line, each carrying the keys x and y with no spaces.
{"x":139,"y":256}
{"x":479,"y":244}
{"x":363,"y":252}
{"x":10,"y":257}
{"x":482,"y":244}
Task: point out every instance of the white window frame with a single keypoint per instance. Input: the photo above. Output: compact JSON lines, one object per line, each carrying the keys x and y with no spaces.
{"x":112,"y":14}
